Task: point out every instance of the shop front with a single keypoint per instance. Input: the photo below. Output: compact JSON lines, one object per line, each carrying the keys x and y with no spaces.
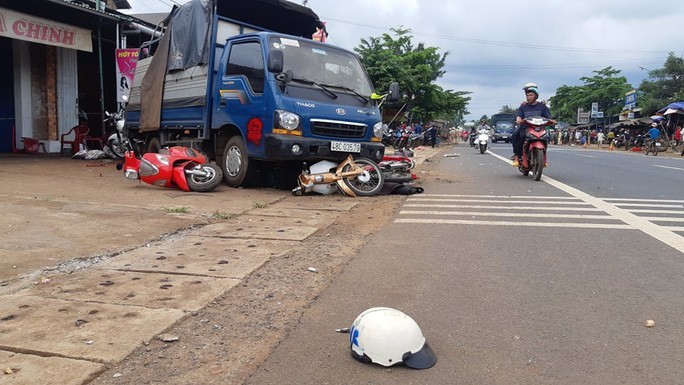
{"x":58,"y":62}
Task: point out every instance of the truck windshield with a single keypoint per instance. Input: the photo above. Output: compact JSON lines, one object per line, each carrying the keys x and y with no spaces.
{"x":324,"y":65}
{"x":504,"y":127}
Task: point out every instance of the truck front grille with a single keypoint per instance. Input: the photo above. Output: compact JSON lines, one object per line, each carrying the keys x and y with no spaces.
{"x":338,"y":129}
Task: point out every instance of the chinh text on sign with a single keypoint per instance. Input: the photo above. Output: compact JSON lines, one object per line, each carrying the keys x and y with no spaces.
{"x":16,"y":25}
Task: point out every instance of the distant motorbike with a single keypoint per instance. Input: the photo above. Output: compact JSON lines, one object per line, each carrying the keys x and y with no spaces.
{"x":471,"y":138}
{"x":482,"y":141}
{"x":534,"y":147}
{"x":354,"y":177}
{"x":180,"y":167}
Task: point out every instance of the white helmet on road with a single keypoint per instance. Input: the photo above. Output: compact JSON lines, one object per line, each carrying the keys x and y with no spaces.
{"x":387,"y":336}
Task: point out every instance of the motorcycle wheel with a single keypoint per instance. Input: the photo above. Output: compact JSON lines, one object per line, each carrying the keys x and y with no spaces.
{"x":537,"y":163}
{"x":213,"y":178}
{"x":483,"y":149}
{"x":370,"y":182}
{"x":117,"y":147}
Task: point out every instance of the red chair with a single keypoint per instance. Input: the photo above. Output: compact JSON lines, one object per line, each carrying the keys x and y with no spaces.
{"x":74,"y":138}
{"x":31,"y":146}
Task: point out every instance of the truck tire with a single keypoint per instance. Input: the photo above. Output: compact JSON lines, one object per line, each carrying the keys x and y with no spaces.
{"x":238,"y":169}
{"x":154,"y":145}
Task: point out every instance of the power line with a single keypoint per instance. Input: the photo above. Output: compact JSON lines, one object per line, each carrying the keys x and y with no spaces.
{"x":506,"y":44}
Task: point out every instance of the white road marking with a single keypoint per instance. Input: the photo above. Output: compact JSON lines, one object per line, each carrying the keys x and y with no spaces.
{"x":672,"y":168}
{"x":677,"y":212}
{"x":660,"y":233}
{"x":501,"y":223}
{"x":530,"y":200}
{"x":534,"y":207}
{"x":490,"y":196}
{"x":500,"y":214}
{"x":642,"y":200}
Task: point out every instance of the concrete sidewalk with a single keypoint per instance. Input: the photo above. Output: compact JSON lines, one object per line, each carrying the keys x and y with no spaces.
{"x":94,"y":265}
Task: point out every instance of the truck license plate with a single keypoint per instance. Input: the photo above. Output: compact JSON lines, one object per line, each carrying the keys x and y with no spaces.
{"x":345,"y":147}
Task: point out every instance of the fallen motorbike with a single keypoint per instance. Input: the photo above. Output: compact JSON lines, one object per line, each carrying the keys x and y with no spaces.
{"x":534,"y":147}
{"x":354,"y":177}
{"x":482,"y":140}
{"x":397,"y":169}
{"x":181,"y":167}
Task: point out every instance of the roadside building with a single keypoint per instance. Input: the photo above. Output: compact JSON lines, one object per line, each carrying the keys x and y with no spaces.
{"x":58,"y":57}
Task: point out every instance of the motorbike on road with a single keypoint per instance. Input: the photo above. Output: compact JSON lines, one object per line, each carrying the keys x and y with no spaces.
{"x":180,"y":167}
{"x":360,"y":176}
{"x":482,"y":140}
{"x":397,"y":169}
{"x":534,"y":148}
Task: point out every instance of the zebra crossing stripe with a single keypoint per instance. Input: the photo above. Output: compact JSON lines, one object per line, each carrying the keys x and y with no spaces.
{"x":514,"y":224}
{"x":498,"y":214}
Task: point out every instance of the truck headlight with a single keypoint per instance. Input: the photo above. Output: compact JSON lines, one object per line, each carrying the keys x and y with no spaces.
{"x":287,"y":120}
{"x":377,"y":130}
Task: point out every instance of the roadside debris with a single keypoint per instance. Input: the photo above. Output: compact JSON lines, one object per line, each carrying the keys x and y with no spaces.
{"x":312,"y":269}
{"x":166,"y":337}
{"x":649,"y":323}
{"x":451,"y":155}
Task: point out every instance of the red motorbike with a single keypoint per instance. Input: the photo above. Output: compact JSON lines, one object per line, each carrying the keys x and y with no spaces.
{"x":534,"y":148}
{"x":181,"y":167}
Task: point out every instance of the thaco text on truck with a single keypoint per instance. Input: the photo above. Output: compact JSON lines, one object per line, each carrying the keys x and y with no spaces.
{"x":243,"y":81}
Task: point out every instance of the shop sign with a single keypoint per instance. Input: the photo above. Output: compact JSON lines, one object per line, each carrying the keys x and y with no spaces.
{"x":17,"y":25}
{"x":126,"y":61}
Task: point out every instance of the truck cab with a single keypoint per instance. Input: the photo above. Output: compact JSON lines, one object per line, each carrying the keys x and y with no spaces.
{"x":299,"y":100}
{"x":261,"y":95}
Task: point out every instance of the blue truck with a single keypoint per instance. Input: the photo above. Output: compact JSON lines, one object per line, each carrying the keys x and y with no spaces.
{"x":245,"y":83}
{"x":503,"y":126}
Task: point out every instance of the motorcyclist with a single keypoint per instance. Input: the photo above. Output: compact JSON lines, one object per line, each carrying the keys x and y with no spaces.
{"x":483,"y":126}
{"x":530,"y":107}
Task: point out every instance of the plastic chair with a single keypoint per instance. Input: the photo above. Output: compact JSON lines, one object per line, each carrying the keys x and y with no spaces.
{"x":31,"y":146}
{"x":74,"y":138}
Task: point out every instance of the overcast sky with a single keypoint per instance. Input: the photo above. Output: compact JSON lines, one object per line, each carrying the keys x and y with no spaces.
{"x":496,"y":46}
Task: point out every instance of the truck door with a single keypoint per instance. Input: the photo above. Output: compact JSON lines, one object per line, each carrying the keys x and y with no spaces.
{"x":241,"y":93}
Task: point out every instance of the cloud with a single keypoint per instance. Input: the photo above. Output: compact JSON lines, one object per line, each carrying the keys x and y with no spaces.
{"x":497,"y":46}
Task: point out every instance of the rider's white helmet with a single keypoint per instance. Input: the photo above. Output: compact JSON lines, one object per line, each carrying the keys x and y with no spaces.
{"x":387,"y":336}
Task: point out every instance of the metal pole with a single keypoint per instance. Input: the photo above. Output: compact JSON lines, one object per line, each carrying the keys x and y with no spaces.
{"x":99,"y":59}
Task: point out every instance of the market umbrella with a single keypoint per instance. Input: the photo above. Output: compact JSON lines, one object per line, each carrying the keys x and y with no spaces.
{"x":672,"y":108}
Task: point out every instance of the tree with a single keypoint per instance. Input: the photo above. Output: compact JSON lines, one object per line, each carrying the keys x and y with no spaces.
{"x":605,"y":88}
{"x":416,"y":68}
{"x":506,"y":109}
{"x":663,"y":86}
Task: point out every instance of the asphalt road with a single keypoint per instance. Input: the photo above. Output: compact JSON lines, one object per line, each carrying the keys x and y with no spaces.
{"x":514,"y":281}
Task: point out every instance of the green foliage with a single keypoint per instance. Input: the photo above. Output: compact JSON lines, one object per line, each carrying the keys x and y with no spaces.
{"x":663,"y":86}
{"x":416,"y":68}
{"x":506,"y":109}
{"x":605,"y":87}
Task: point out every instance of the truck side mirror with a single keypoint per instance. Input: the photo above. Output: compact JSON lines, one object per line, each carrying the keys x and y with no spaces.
{"x":275,"y":61}
{"x":394,"y":95}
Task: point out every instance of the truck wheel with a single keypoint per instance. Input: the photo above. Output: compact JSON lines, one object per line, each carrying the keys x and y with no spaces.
{"x":238,"y":170}
{"x":154,"y":145}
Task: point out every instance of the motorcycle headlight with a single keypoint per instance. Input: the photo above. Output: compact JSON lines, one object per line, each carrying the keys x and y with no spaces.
{"x":120,"y":124}
{"x":287,"y":120}
{"x":377,"y":130}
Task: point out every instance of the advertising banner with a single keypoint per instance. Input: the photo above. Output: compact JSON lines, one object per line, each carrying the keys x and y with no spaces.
{"x":126,"y":60}
{"x":16,"y":25}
